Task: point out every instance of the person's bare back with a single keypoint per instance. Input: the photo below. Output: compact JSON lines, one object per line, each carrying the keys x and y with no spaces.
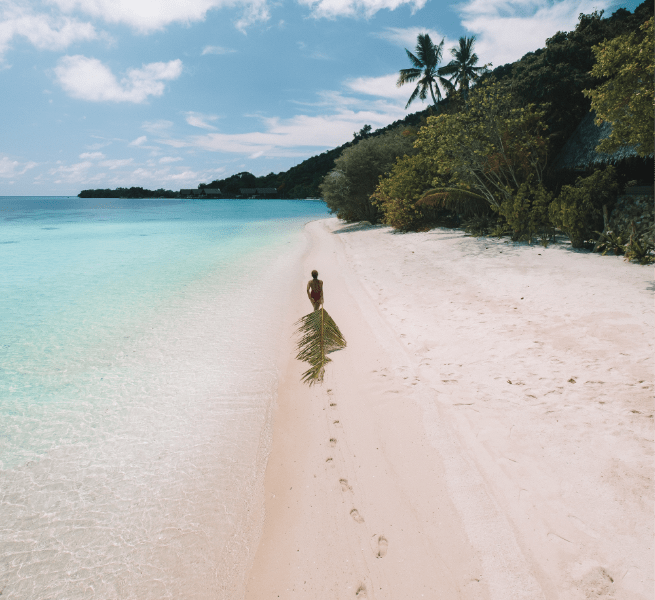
{"x":315,"y":290}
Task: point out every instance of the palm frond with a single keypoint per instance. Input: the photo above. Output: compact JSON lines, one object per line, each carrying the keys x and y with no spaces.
{"x":414,"y":95}
{"x":460,"y":200}
{"x":407,"y":75}
{"x":448,"y":86}
{"x":417,"y":62}
{"x":319,"y":335}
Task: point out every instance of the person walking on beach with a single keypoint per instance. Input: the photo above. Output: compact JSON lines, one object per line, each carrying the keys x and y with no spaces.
{"x":315,"y":290}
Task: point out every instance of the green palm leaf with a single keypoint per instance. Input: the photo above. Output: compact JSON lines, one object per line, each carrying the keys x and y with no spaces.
{"x":319,"y":335}
{"x":425,"y":61}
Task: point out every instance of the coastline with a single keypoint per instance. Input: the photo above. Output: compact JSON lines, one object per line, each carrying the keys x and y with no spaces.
{"x":485,"y":434}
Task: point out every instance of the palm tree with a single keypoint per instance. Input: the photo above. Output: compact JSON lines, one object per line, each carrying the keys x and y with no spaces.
{"x":425,"y":69}
{"x":462,"y":69}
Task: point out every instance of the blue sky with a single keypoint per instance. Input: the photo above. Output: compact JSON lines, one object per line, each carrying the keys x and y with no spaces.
{"x":171,"y":93}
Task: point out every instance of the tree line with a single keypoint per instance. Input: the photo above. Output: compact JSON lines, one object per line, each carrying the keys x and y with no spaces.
{"x":482,"y":158}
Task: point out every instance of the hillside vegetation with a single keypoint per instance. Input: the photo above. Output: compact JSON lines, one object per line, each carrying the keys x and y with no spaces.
{"x":484,"y":158}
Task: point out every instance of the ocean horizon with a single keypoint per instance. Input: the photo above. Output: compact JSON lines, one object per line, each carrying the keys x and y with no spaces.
{"x":137,"y":372}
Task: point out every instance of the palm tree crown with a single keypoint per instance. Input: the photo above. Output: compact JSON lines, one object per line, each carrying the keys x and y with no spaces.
{"x":425,"y":69}
{"x":462,"y":69}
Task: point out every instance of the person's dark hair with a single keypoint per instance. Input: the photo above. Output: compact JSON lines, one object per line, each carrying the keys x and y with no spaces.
{"x":315,"y":274}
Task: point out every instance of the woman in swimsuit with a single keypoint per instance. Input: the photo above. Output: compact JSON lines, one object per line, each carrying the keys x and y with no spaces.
{"x":315,"y":290}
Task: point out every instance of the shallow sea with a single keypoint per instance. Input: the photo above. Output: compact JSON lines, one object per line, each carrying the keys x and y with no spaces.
{"x":138,"y":362}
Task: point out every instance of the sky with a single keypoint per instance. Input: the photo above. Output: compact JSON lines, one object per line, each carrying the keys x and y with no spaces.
{"x":173,"y":93}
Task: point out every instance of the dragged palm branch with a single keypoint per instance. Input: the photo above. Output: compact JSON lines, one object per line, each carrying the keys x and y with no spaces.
{"x":319,"y":335}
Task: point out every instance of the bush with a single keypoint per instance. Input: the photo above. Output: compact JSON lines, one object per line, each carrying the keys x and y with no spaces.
{"x":578,"y":211}
{"x":526,"y":212}
{"x":398,"y":193}
{"x":348,"y":187}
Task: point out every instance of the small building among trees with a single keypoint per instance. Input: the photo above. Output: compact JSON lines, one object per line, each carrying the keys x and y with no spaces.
{"x":201,"y":192}
{"x":579,"y":153}
{"x":266,"y":192}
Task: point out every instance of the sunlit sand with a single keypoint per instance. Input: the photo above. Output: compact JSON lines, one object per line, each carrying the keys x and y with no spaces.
{"x":487,"y":433}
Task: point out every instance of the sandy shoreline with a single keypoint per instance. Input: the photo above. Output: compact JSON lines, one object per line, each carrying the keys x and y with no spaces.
{"x":486,"y":434}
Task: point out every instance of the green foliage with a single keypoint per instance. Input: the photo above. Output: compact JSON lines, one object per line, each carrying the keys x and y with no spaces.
{"x":347,"y":189}
{"x":526,"y":212}
{"x":625,"y":99}
{"x":611,"y":241}
{"x":425,"y":68}
{"x":490,"y":148}
{"x":579,"y":208}
{"x":319,"y":335}
{"x":555,"y":76}
{"x":462,"y":69}
{"x":640,"y":246}
{"x":133,"y":192}
{"x":397,"y":194}
{"x":480,"y":225}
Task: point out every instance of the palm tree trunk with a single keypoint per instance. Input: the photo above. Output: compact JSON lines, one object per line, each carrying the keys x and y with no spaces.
{"x":433,"y":98}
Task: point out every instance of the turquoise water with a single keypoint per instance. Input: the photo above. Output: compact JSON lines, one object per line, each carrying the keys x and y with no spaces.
{"x":137,"y":368}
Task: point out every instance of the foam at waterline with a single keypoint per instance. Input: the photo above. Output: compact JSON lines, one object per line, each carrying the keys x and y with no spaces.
{"x":148,"y":485}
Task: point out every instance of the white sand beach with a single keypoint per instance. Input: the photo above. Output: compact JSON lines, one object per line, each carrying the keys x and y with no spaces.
{"x":486,"y":434}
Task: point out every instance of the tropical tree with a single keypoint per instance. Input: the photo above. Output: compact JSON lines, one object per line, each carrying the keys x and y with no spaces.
{"x":626,"y":97}
{"x":399,"y":191}
{"x":462,"y":69}
{"x":425,"y":70}
{"x":488,"y":150}
{"x":348,"y":187}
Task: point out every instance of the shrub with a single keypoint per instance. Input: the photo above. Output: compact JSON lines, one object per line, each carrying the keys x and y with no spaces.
{"x":640,"y":246}
{"x":526,"y":212}
{"x":578,"y":210}
{"x":348,"y":187}
{"x":397,"y":194}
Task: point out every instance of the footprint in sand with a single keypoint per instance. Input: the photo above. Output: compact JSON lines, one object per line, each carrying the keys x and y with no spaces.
{"x":354,"y":513}
{"x":383,"y":545}
{"x":333,"y":442}
{"x":361,"y":591}
{"x":345,"y":487}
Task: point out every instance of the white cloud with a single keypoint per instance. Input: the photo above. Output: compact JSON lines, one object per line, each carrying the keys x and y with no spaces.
{"x":287,"y":137}
{"x":406,"y":37}
{"x":169,"y":159}
{"x":153,"y":15}
{"x":139,"y":141}
{"x":45,"y":31}
{"x":115,"y":163}
{"x":508,"y":29}
{"x":255,"y":11}
{"x":216,"y":50}
{"x":75,"y":173}
{"x":353,"y":8}
{"x":89,"y":79}
{"x":199,"y":120}
{"x":91,"y":155}
{"x":157,"y":127}
{"x":13,"y":168}
{"x":160,"y":177}
{"x":384,"y":87}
